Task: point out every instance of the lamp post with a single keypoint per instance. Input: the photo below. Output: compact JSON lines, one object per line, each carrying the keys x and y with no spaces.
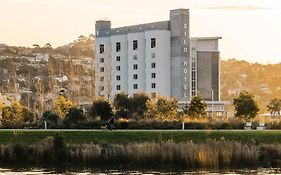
{"x":212,"y":103}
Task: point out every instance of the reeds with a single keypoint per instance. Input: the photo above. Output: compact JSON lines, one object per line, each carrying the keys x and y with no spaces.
{"x":188,"y":155}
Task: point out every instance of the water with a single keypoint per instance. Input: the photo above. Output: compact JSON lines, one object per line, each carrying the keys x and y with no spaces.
{"x":259,"y":171}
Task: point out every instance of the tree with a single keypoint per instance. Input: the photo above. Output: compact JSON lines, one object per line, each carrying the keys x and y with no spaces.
{"x":138,"y":102}
{"x":162,"y":108}
{"x":50,"y":117}
{"x":122,"y":105}
{"x":196,"y":107}
{"x":245,"y":105}
{"x":102,"y":109}
{"x":12,"y":113}
{"x":74,"y":116}
{"x":62,"y":106}
{"x":274,"y":107}
{"x":27,"y":116}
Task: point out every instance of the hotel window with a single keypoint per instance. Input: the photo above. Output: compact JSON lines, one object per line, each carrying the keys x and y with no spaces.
{"x":101,"y":48}
{"x":135,"y":45}
{"x":135,"y":76}
{"x":153,"y":85}
{"x":101,"y":79}
{"x":118,"y":47}
{"x":135,"y":86}
{"x":118,"y":58}
{"x":118,"y":87}
{"x":153,"y":75}
{"x":102,"y":60}
{"x":135,"y":66}
{"x":102,"y":69}
{"x":135,"y":57}
{"x":153,"y":65}
{"x":153,"y":42}
{"x":118,"y":77}
{"x":153,"y":55}
{"x":118,"y":68}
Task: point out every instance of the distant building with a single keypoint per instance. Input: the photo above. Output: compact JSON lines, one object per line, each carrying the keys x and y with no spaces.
{"x":157,"y":58}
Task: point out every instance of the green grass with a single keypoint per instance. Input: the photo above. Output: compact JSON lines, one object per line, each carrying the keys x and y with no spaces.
{"x":121,"y":137}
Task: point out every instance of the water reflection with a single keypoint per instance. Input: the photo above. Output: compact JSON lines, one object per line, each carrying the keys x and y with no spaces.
{"x":260,"y":171}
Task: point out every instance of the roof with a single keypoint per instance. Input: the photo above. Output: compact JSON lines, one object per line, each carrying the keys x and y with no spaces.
{"x":162,"y":25}
{"x":206,"y":38}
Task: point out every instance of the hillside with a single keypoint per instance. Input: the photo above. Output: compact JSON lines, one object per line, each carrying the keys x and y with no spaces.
{"x":264,"y":81}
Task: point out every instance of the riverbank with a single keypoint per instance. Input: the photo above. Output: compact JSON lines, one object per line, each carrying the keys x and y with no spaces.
{"x":138,"y":136}
{"x":53,"y":152}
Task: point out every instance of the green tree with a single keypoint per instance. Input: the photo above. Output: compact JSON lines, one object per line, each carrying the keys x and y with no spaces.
{"x":74,"y":116}
{"x":245,"y":105}
{"x":138,"y":106}
{"x":122,"y":105}
{"x":274,"y":107}
{"x":196,"y":107}
{"x":102,"y":109}
{"x":51,"y":118}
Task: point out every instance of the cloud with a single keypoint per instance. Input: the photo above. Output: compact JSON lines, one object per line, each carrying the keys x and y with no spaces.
{"x":240,"y":8}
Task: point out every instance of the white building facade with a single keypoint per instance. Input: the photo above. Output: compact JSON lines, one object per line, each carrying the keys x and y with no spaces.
{"x":156,"y":58}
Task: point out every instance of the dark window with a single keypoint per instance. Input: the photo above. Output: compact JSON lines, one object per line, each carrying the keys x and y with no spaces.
{"x":101,"y":48}
{"x":153,"y":42}
{"x":118,"y":77}
{"x":135,"y":76}
{"x":135,"y":86}
{"x":135,"y":57}
{"x":135,"y":45}
{"x":101,"y":79}
{"x":102,"y":88}
{"x":118,"y":68}
{"x":102,"y":60}
{"x":118,"y":58}
{"x":118,"y":47}
{"x":153,"y":85}
{"x":118,"y":87}
{"x":102,"y":69}
{"x":153,"y":75}
{"x":135,"y":66}
{"x":153,"y":65}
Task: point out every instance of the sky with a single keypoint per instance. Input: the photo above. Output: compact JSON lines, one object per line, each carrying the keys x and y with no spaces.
{"x":251,"y":29}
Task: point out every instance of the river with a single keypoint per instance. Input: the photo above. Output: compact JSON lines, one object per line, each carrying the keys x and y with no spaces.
{"x":259,"y":171}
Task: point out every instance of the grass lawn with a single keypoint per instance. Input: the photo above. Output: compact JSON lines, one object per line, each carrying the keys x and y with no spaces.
{"x":78,"y":137}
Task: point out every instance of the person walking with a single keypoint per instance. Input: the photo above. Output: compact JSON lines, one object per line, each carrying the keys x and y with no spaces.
{"x":111,"y":123}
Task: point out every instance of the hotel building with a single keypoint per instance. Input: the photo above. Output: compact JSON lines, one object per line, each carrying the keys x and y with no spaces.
{"x":157,"y":58}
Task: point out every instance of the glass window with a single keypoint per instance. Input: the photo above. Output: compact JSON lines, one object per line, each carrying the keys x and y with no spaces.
{"x":153,"y":65}
{"x":102,"y":60}
{"x":135,"y":76}
{"x":101,"y":48}
{"x":102,"y":69}
{"x":153,"y":42}
{"x":135,"y":45}
{"x":135,"y":86}
{"x":118,"y":47}
{"x":102,"y":88}
{"x":153,"y":75}
{"x":135,"y":66}
{"x":153,"y":85}
{"x":118,"y":58}
{"x":118,"y":68}
{"x":118,"y":87}
{"x":118,"y":77}
{"x":135,"y":57}
{"x":101,"y":79}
